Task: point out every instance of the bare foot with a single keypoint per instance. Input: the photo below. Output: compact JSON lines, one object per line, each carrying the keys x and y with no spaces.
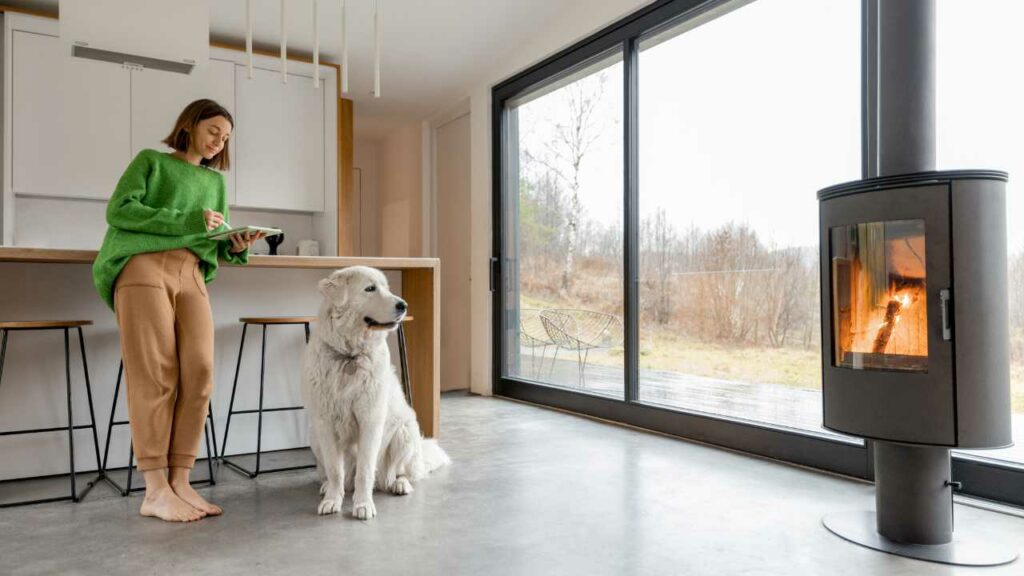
{"x":185,"y":491}
{"x":166,"y":505}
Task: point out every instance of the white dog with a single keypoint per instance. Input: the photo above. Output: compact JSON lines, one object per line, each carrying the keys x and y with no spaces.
{"x":360,"y":418}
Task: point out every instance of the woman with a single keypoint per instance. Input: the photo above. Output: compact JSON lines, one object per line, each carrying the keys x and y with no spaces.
{"x":152,"y":271}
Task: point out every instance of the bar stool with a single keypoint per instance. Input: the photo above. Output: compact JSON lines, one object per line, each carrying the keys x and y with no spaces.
{"x":208,"y":429}
{"x":287,"y":320}
{"x":5,"y":329}
{"x":264,"y":322}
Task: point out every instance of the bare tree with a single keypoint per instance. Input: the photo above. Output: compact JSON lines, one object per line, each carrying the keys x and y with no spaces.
{"x":563,"y":155}
{"x":658,"y":244}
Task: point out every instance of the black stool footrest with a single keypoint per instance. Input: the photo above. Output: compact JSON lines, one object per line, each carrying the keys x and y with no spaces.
{"x":42,"y":430}
{"x":257,"y":411}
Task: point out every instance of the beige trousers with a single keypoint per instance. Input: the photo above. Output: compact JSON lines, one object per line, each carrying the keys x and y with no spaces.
{"x":166,"y":327}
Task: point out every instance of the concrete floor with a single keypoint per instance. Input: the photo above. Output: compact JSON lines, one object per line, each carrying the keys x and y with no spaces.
{"x":531,"y":491}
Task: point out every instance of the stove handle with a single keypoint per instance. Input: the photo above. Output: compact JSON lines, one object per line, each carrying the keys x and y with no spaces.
{"x":947,"y":320}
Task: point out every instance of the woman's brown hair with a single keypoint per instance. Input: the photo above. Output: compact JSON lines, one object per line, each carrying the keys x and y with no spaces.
{"x":189,"y":118}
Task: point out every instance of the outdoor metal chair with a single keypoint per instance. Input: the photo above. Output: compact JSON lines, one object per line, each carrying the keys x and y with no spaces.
{"x":582,"y":331}
{"x":532,"y":335}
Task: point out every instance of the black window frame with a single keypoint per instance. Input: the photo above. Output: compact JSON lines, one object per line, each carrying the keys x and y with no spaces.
{"x":989,"y":479}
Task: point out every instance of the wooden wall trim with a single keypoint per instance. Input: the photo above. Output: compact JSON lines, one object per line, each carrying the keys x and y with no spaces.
{"x":30,"y":11}
{"x":348,"y":221}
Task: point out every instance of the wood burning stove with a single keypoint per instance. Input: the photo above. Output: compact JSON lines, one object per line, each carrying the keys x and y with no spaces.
{"x":915,"y":346}
{"x":914,"y":303}
{"x":914,"y":298}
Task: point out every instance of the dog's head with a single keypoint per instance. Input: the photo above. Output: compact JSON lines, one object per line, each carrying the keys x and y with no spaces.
{"x":358,"y":299}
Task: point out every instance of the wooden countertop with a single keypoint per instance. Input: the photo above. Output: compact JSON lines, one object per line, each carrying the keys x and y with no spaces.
{"x":58,"y":256}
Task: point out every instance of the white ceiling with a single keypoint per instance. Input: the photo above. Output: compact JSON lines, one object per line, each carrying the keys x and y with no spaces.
{"x":432,"y":51}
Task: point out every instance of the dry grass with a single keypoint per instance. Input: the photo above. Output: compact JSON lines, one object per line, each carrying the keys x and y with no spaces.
{"x":792,"y":367}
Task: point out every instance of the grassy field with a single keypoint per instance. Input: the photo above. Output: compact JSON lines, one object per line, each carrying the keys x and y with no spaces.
{"x":793,"y":367}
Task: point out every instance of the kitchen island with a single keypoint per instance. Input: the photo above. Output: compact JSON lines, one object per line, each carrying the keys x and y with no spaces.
{"x":55,"y":284}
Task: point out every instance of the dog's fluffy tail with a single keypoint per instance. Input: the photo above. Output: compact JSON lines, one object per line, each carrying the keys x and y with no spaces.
{"x":434,"y":456}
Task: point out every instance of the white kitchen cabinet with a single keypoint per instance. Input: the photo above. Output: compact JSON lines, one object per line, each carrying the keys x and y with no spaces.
{"x":158,"y":98}
{"x":279,"y":141}
{"x":71,"y":121}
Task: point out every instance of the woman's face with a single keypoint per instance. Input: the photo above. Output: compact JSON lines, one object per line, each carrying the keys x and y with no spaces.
{"x":210,"y":135}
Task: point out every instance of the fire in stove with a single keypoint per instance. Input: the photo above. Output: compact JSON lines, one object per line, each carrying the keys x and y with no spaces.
{"x":880,"y":314}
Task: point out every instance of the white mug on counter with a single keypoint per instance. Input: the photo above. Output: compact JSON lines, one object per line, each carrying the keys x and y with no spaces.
{"x":308,"y":248}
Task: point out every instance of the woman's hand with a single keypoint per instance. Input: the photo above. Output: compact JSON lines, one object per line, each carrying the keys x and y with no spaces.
{"x":241,"y":241}
{"x":213,"y":219}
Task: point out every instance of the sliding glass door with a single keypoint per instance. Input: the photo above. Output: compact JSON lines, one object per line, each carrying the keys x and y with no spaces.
{"x":567,"y":300}
{"x":741,"y":122}
{"x":656,"y":220}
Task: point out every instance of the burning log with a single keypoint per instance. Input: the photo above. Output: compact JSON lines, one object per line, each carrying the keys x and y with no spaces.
{"x":892,"y":316}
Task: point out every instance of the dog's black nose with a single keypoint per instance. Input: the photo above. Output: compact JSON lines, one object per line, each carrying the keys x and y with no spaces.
{"x":401,"y":306}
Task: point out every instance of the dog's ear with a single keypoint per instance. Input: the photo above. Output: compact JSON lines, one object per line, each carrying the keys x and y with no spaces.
{"x":334,"y":288}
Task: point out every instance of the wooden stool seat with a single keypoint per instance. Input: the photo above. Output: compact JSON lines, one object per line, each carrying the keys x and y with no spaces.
{"x":43,"y":324}
{"x":278,"y":319}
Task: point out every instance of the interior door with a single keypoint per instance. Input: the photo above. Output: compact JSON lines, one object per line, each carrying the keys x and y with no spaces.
{"x":453,"y":248}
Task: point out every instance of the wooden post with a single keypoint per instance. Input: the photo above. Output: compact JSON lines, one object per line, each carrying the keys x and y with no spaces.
{"x":421,"y":289}
{"x":348,"y":220}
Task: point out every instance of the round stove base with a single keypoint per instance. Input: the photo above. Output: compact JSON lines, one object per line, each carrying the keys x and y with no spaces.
{"x":859,"y":528}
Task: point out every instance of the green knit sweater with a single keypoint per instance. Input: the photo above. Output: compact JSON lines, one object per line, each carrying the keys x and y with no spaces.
{"x":157,"y":206}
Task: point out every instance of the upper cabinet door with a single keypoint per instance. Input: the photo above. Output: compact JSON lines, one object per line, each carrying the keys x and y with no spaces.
{"x":159,"y":97}
{"x":279,"y":141}
{"x":71,"y":123}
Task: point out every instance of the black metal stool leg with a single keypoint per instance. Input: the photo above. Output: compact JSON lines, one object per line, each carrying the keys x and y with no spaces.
{"x":113,"y":409}
{"x":259,"y":415}
{"x":234,"y":388}
{"x":71,"y":423}
{"x":88,"y":393}
{"x":406,"y":383}
{"x":306,"y":326}
{"x":101,"y":471}
{"x":209,"y":453}
{"x":131,"y":465}
{"x":3,"y":354}
{"x":110,"y":431}
{"x":213,"y":428}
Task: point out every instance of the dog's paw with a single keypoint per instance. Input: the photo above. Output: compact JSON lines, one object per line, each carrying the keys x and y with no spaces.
{"x":364,"y":510}
{"x":402,"y":487}
{"x":329,"y":506}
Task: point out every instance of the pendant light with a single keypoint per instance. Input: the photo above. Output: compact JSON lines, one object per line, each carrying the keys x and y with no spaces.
{"x":284,"y":44}
{"x":344,"y":51}
{"x":316,"y":46}
{"x":248,"y":34}
{"x":376,"y":48}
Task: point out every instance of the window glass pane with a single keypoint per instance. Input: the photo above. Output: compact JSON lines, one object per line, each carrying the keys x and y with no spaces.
{"x":979,"y":123}
{"x":564,"y":286}
{"x":742,"y":120}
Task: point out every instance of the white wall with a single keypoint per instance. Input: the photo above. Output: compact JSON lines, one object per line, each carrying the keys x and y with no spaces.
{"x":400,"y":191}
{"x":555,"y":35}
